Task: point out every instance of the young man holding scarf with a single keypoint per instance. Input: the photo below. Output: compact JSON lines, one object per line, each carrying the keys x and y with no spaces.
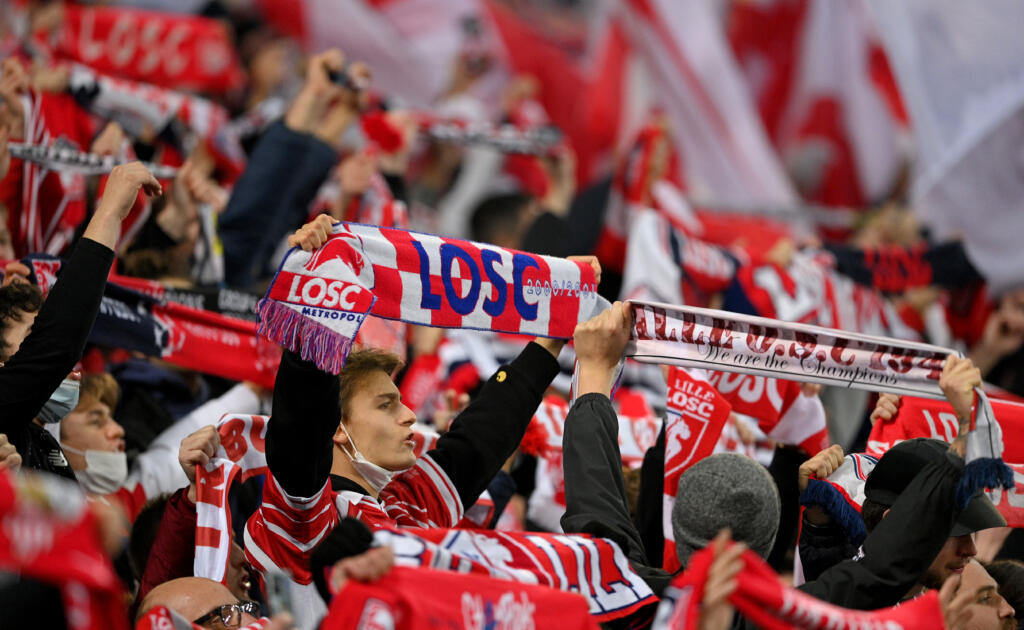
{"x":921,"y":511}
{"x":342,"y":445}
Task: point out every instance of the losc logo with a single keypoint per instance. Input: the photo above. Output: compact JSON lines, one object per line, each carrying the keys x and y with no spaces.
{"x":315,"y":291}
{"x":347,"y":248}
{"x":376,"y":616}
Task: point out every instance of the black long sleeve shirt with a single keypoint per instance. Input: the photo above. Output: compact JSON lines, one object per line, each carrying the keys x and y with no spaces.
{"x":50,"y":352}
{"x":306,"y":413}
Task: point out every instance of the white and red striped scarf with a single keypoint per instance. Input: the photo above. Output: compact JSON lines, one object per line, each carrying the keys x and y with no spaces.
{"x":318,"y":300}
{"x":761,"y":598}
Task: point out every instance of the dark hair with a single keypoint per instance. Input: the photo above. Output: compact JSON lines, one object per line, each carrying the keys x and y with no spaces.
{"x":872,"y":511}
{"x":358,"y":366}
{"x":15,"y":299}
{"x":496,"y":216}
{"x":1009,"y":574}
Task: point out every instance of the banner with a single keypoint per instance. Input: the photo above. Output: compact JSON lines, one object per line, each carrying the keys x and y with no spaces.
{"x":174,"y":51}
{"x":730,"y":342}
{"x":319,"y":299}
{"x":190,"y":338}
{"x":696,"y":415}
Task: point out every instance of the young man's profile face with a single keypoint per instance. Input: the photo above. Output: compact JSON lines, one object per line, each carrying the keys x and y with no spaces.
{"x":989,"y":611}
{"x":953,"y":558}
{"x":379,"y":424}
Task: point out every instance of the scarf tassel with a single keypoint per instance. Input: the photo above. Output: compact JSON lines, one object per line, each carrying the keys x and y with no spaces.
{"x":313,"y":341}
{"x":984,"y":472}
{"x":823,"y":494}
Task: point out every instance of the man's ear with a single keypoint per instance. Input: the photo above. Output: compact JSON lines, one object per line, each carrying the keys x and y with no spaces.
{"x":884,"y":513}
{"x":340,"y":435}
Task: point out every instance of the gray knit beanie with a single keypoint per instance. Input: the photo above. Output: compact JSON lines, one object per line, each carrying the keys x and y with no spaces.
{"x":725,"y":490}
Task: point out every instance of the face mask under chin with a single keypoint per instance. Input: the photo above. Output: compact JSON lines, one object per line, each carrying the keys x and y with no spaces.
{"x":376,"y":476}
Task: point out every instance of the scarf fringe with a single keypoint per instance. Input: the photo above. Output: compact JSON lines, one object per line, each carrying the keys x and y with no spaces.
{"x":981,"y":473}
{"x":823,"y":494}
{"x":314,"y":342}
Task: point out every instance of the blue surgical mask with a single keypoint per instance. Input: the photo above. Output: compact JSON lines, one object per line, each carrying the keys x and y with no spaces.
{"x":62,"y":402}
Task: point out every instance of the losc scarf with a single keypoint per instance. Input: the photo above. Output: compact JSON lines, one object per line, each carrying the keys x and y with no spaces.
{"x":919,"y":417}
{"x":730,"y":342}
{"x":762,"y":599}
{"x":422,"y":599}
{"x":175,"y":51}
{"x":318,"y":300}
{"x":696,"y":416}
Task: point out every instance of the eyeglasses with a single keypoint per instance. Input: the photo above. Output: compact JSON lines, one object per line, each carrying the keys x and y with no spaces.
{"x":230,"y":615}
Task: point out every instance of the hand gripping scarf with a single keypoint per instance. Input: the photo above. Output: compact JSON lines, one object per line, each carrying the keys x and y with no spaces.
{"x":719,"y":340}
{"x":318,"y":300}
{"x":763,"y":600}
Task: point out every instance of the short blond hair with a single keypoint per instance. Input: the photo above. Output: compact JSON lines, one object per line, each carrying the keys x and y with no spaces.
{"x":102,"y":387}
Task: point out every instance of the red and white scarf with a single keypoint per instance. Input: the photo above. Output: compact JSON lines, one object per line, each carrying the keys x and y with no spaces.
{"x":242,"y":451}
{"x":318,"y":300}
{"x":45,"y":203}
{"x":422,"y":599}
{"x":696,"y":415}
{"x":918,"y":417}
{"x":762,"y":599}
{"x":730,"y":342}
{"x":176,"y":51}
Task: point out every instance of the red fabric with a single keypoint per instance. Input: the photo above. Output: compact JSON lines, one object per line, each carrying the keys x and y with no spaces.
{"x":176,"y":51}
{"x":762,"y":599}
{"x":44,"y":207}
{"x":48,"y":533}
{"x":174,"y":545}
{"x":696,"y":416}
{"x":422,"y":599}
{"x":921,"y":417}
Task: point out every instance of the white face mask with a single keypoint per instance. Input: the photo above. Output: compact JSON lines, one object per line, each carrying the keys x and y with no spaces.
{"x":376,"y":476}
{"x":105,"y":471}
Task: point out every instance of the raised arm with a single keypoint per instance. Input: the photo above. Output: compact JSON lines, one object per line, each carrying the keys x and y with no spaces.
{"x":62,"y":327}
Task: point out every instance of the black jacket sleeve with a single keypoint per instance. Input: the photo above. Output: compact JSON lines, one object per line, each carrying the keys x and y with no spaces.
{"x":595,"y":494}
{"x":306,"y":413}
{"x":58,"y":336}
{"x":271,"y":197}
{"x":490,"y":429}
{"x":902,"y":545}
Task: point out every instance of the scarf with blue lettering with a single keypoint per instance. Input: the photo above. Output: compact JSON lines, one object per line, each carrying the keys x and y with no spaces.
{"x":319,"y":299}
